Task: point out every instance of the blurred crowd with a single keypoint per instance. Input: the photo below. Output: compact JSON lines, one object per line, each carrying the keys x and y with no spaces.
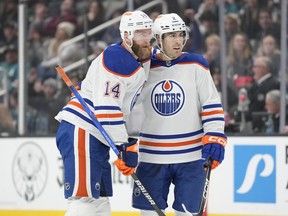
{"x":252,"y":38}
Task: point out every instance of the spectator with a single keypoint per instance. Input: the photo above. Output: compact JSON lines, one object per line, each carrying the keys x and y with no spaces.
{"x":10,"y":38}
{"x":35,"y":46}
{"x":94,"y":16}
{"x":194,"y":42}
{"x":54,"y":56}
{"x":66,"y":14}
{"x":39,"y":17}
{"x":274,"y":6}
{"x":263,"y":83}
{"x":47,"y":107}
{"x":272,"y":104}
{"x":209,"y":6}
{"x":208,"y":24}
{"x":98,"y":47}
{"x":10,"y":67}
{"x":111,"y":34}
{"x":14,"y":111}
{"x":6,"y":124}
{"x":231,"y":7}
{"x":10,"y":11}
{"x":35,"y":87}
{"x":267,"y":27}
{"x":212,"y":53}
{"x":239,"y":61}
{"x":194,"y":4}
{"x":268,"y":47}
{"x":232,"y":99}
{"x":249,"y":18}
{"x":231,"y":26}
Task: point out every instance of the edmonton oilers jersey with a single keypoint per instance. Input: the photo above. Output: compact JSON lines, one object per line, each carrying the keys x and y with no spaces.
{"x":181,"y":106}
{"x":111,"y":88}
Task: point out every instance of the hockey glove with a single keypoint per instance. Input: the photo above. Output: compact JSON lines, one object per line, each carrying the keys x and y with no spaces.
{"x":216,"y":151}
{"x":128,"y":157}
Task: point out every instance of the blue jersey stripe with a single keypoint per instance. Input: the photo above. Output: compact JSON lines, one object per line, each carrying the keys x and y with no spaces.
{"x":90,"y":121}
{"x":87,"y":101}
{"x":212,"y":119}
{"x":107,"y":108}
{"x":174,"y":136}
{"x":170,"y":152}
{"x":212,"y":106}
{"x":79,"y":115}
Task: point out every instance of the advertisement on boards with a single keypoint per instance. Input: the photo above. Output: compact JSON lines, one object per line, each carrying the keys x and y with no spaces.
{"x":252,"y":180}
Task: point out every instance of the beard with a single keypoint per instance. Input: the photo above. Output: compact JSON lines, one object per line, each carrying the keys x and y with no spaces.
{"x":142,"y":51}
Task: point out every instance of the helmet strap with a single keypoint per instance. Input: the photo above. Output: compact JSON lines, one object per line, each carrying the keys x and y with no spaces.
{"x":160,"y":47}
{"x":129,"y":47}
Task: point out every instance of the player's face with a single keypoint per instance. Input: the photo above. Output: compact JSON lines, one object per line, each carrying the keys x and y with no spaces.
{"x":173,"y":43}
{"x":141,"y":43}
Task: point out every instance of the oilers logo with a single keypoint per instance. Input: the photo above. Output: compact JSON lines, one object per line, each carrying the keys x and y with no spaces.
{"x":136,"y":96}
{"x":167,"y":97}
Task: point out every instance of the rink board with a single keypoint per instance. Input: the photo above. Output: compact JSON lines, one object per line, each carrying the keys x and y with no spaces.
{"x":252,"y":180}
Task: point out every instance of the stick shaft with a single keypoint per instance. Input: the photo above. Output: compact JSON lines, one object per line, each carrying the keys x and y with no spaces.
{"x":69,"y":83}
{"x":206,"y":187}
{"x":72,"y":88}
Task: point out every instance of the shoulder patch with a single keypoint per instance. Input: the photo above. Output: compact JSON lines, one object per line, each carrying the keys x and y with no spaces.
{"x":119,"y":61}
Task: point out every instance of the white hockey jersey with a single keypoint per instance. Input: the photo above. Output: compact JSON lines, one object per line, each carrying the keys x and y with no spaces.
{"x":182,"y":110}
{"x":111,"y":88}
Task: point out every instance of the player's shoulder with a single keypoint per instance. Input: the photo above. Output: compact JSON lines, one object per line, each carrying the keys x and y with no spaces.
{"x":193,"y":58}
{"x":117,"y":60}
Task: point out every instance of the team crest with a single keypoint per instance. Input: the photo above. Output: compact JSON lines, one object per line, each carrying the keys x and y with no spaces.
{"x":167,"y":97}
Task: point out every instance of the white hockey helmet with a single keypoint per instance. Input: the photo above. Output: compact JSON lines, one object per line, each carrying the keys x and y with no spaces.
{"x":165,"y":23}
{"x":132,"y":21}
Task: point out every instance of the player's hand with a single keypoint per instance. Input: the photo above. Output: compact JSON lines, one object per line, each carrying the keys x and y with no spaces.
{"x":128,"y":160}
{"x":216,"y":151}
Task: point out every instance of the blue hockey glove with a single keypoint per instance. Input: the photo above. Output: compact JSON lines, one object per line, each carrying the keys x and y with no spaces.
{"x":128,"y":160}
{"x":216,"y":151}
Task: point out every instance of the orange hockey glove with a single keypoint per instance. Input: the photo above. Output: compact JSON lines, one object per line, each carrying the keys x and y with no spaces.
{"x":128,"y":160}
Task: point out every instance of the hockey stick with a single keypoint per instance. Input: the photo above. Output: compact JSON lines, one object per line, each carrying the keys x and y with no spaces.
{"x":72,"y":88}
{"x":208,"y":166}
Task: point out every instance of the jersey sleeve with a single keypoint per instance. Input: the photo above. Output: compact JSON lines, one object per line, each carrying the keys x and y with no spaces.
{"x":113,"y":83}
{"x":212,"y":113}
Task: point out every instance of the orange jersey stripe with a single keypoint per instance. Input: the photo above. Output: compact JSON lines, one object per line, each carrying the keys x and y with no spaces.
{"x":147,"y":143}
{"x":212,"y":112}
{"x":197,"y":63}
{"x":82,"y":190}
{"x":107,"y":115}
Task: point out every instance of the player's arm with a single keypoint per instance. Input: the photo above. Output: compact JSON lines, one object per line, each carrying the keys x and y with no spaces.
{"x":212,"y":115}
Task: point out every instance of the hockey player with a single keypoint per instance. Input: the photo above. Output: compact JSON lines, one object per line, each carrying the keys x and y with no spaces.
{"x":111,"y":87}
{"x":183,"y":125}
